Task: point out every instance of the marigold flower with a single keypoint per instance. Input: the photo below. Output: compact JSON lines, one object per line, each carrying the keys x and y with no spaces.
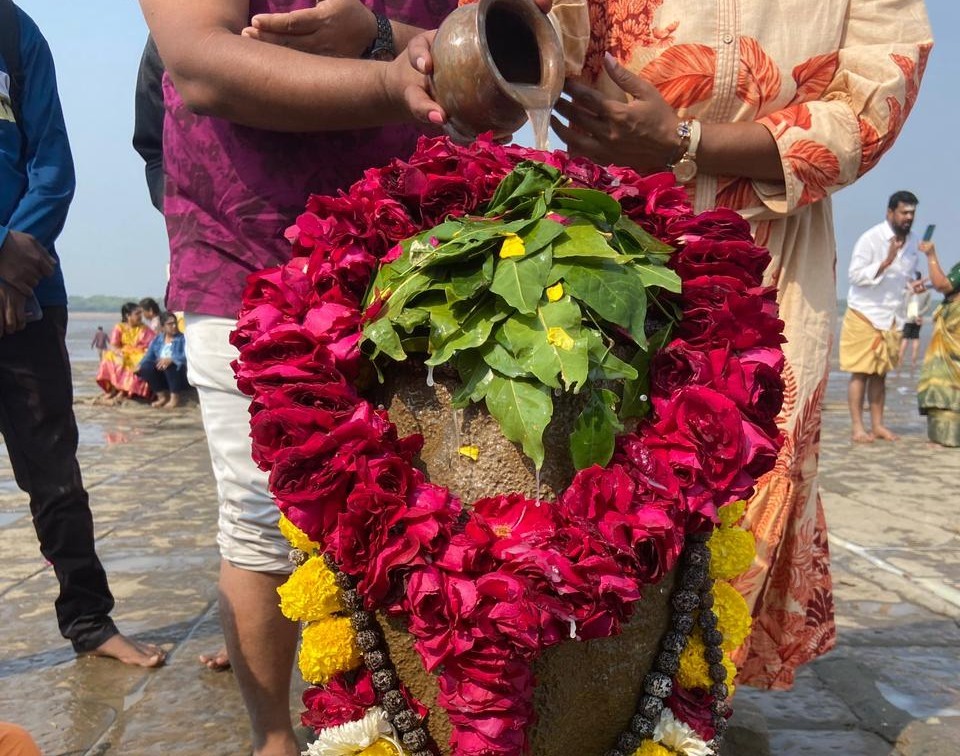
{"x":512,"y":247}
{"x":310,"y":593}
{"x":732,"y":513}
{"x":733,"y":615}
{"x":649,"y":748}
{"x":297,"y":538}
{"x":473,"y":452}
{"x":380,"y":748}
{"x":732,"y":551}
{"x":694,"y":670}
{"x":555,"y":292}
{"x":559,"y":338}
{"x":327,"y":648}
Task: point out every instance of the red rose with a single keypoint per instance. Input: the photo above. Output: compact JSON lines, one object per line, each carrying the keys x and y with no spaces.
{"x":286,"y":353}
{"x":345,"y":698}
{"x":693,"y":708}
{"x":719,"y":311}
{"x":710,"y":257}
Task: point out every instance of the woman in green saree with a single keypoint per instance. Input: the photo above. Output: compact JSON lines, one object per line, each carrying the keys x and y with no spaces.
{"x":938,"y":393}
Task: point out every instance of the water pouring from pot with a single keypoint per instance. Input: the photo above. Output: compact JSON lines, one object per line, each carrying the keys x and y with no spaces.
{"x":496,"y":64}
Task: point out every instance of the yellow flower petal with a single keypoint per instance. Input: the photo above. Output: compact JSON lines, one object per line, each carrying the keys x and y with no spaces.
{"x":731,"y":514}
{"x":732,"y":551}
{"x":310,"y":593}
{"x":695,"y":671}
{"x":733,"y":616}
{"x":473,"y":452}
{"x":559,"y":338}
{"x":380,"y":748}
{"x":649,"y":748}
{"x":555,"y":292}
{"x":512,"y":247}
{"x":297,"y":538}
{"x":328,"y":647}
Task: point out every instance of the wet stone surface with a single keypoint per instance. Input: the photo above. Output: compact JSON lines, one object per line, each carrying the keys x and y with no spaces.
{"x":891,"y":687}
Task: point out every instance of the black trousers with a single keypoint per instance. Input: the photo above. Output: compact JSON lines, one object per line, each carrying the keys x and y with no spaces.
{"x":40,"y":430}
{"x":172,"y":379}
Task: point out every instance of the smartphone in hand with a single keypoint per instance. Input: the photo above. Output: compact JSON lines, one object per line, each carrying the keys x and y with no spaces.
{"x":928,"y":234}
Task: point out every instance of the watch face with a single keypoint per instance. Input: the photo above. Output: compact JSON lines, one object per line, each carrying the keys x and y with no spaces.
{"x":685,"y":170}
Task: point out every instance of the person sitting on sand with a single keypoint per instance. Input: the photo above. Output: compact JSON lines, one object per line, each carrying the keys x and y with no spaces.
{"x":129,"y":341}
{"x":164,"y":366}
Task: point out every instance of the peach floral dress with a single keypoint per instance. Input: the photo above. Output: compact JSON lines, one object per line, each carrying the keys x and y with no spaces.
{"x":833,"y":81}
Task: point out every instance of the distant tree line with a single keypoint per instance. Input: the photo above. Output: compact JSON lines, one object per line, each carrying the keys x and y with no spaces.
{"x":100,"y":303}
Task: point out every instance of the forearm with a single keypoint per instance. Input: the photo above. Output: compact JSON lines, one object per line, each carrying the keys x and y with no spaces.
{"x":271,"y":87}
{"x":403,"y":33}
{"x":937,"y":276}
{"x":739,"y":149}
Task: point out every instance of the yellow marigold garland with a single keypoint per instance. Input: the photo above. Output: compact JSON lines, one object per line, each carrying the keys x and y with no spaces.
{"x":649,"y":748}
{"x":732,"y":551}
{"x":310,"y":593}
{"x":733,"y":615}
{"x":694,"y":670}
{"x":380,"y":748}
{"x":297,"y":538}
{"x":328,"y":647}
{"x":731,"y":514}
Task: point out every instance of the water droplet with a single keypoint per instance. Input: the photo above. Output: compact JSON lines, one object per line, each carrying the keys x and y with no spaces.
{"x":430,"y":381}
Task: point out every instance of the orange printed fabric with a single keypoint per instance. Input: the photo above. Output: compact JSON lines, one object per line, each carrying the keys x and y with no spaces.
{"x":833,"y":82}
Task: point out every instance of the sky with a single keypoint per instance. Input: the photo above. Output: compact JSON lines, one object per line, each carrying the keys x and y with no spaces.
{"x":114,"y":241}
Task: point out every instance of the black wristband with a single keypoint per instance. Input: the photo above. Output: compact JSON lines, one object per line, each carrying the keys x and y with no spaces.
{"x":383,"y":47}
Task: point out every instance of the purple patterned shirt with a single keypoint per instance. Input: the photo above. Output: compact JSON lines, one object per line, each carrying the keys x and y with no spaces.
{"x":231,"y":190}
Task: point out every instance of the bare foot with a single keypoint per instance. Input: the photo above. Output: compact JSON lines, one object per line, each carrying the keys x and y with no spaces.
{"x":884,"y":434}
{"x":174,"y":401}
{"x":129,"y":651}
{"x":160,"y":401}
{"x":218,"y":662}
{"x":862,"y":437}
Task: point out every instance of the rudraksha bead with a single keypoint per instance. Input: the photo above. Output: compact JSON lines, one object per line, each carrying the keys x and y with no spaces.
{"x":375,"y":659}
{"x":668,"y":662}
{"x":394,"y":702}
{"x":719,"y":707}
{"x":368,"y":640}
{"x":697,"y":554}
{"x":685,"y":601}
{"x":718,"y":673}
{"x":416,"y":740}
{"x":702,"y":537}
{"x":713,"y":654}
{"x":712,"y":637}
{"x":362,"y":621}
{"x":706,"y":599}
{"x":642,"y":726}
{"x":424,"y":752}
{"x":298,"y":556}
{"x":650,"y":706}
{"x":720,"y":725}
{"x":628,"y":742}
{"x":384,"y":679}
{"x":674,"y":642}
{"x":683,"y":622}
{"x":351,"y":600}
{"x":406,"y":720}
{"x":615,"y":752}
{"x":719,"y":689}
{"x":707,"y":620}
{"x":692,"y":577}
{"x":345,"y":581}
{"x":658,"y":684}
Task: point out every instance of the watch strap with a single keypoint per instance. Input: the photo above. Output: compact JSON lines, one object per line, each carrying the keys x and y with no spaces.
{"x":383,"y":47}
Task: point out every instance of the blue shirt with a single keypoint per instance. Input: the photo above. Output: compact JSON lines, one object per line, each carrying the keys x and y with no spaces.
{"x":35,"y":193}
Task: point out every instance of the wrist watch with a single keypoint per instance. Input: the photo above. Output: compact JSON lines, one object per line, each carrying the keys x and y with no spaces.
{"x":685,"y":169}
{"x":382,"y":47}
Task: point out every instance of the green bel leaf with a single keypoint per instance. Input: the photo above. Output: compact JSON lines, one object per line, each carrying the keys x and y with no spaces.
{"x":549,"y":344}
{"x":523,"y":184}
{"x":523,"y":409}
{"x":604,"y":364}
{"x":469,"y":280}
{"x":636,"y":392}
{"x":473,"y":332}
{"x":540,"y":234}
{"x":382,"y":333}
{"x":475,"y":378}
{"x":520,"y":281}
{"x":615,"y":292}
{"x":583,"y":239}
{"x":658,"y":275}
{"x":589,"y":203}
{"x":499,"y":358}
{"x":594,"y":433}
{"x":645,"y":242}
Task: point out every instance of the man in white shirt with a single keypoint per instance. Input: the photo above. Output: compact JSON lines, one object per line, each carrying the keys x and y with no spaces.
{"x":885,"y":260}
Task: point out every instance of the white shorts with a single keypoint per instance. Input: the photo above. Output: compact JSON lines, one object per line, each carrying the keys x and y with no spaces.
{"x":249,"y":536}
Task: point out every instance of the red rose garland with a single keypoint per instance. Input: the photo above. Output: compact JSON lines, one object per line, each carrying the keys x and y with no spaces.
{"x":486,"y":589}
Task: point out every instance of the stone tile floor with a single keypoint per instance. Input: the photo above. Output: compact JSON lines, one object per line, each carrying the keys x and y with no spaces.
{"x":891,"y":687}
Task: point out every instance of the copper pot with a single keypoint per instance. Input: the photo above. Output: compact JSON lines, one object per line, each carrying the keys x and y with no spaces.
{"x":493,"y":62}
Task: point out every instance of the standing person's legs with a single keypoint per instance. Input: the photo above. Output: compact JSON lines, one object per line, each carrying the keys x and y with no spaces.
{"x":877,"y":397}
{"x":855,"y":394}
{"x":261,"y":642}
{"x":39,"y":427}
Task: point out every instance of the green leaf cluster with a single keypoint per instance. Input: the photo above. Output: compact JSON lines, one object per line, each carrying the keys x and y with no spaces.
{"x":547,"y":292}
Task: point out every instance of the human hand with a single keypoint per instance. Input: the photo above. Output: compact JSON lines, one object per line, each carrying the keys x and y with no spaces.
{"x":163,"y":363}
{"x":641,"y":134}
{"x":12,"y":310}
{"x":337,"y":28}
{"x":406,"y":80}
{"x":927,"y":247}
{"x":24,"y":261}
